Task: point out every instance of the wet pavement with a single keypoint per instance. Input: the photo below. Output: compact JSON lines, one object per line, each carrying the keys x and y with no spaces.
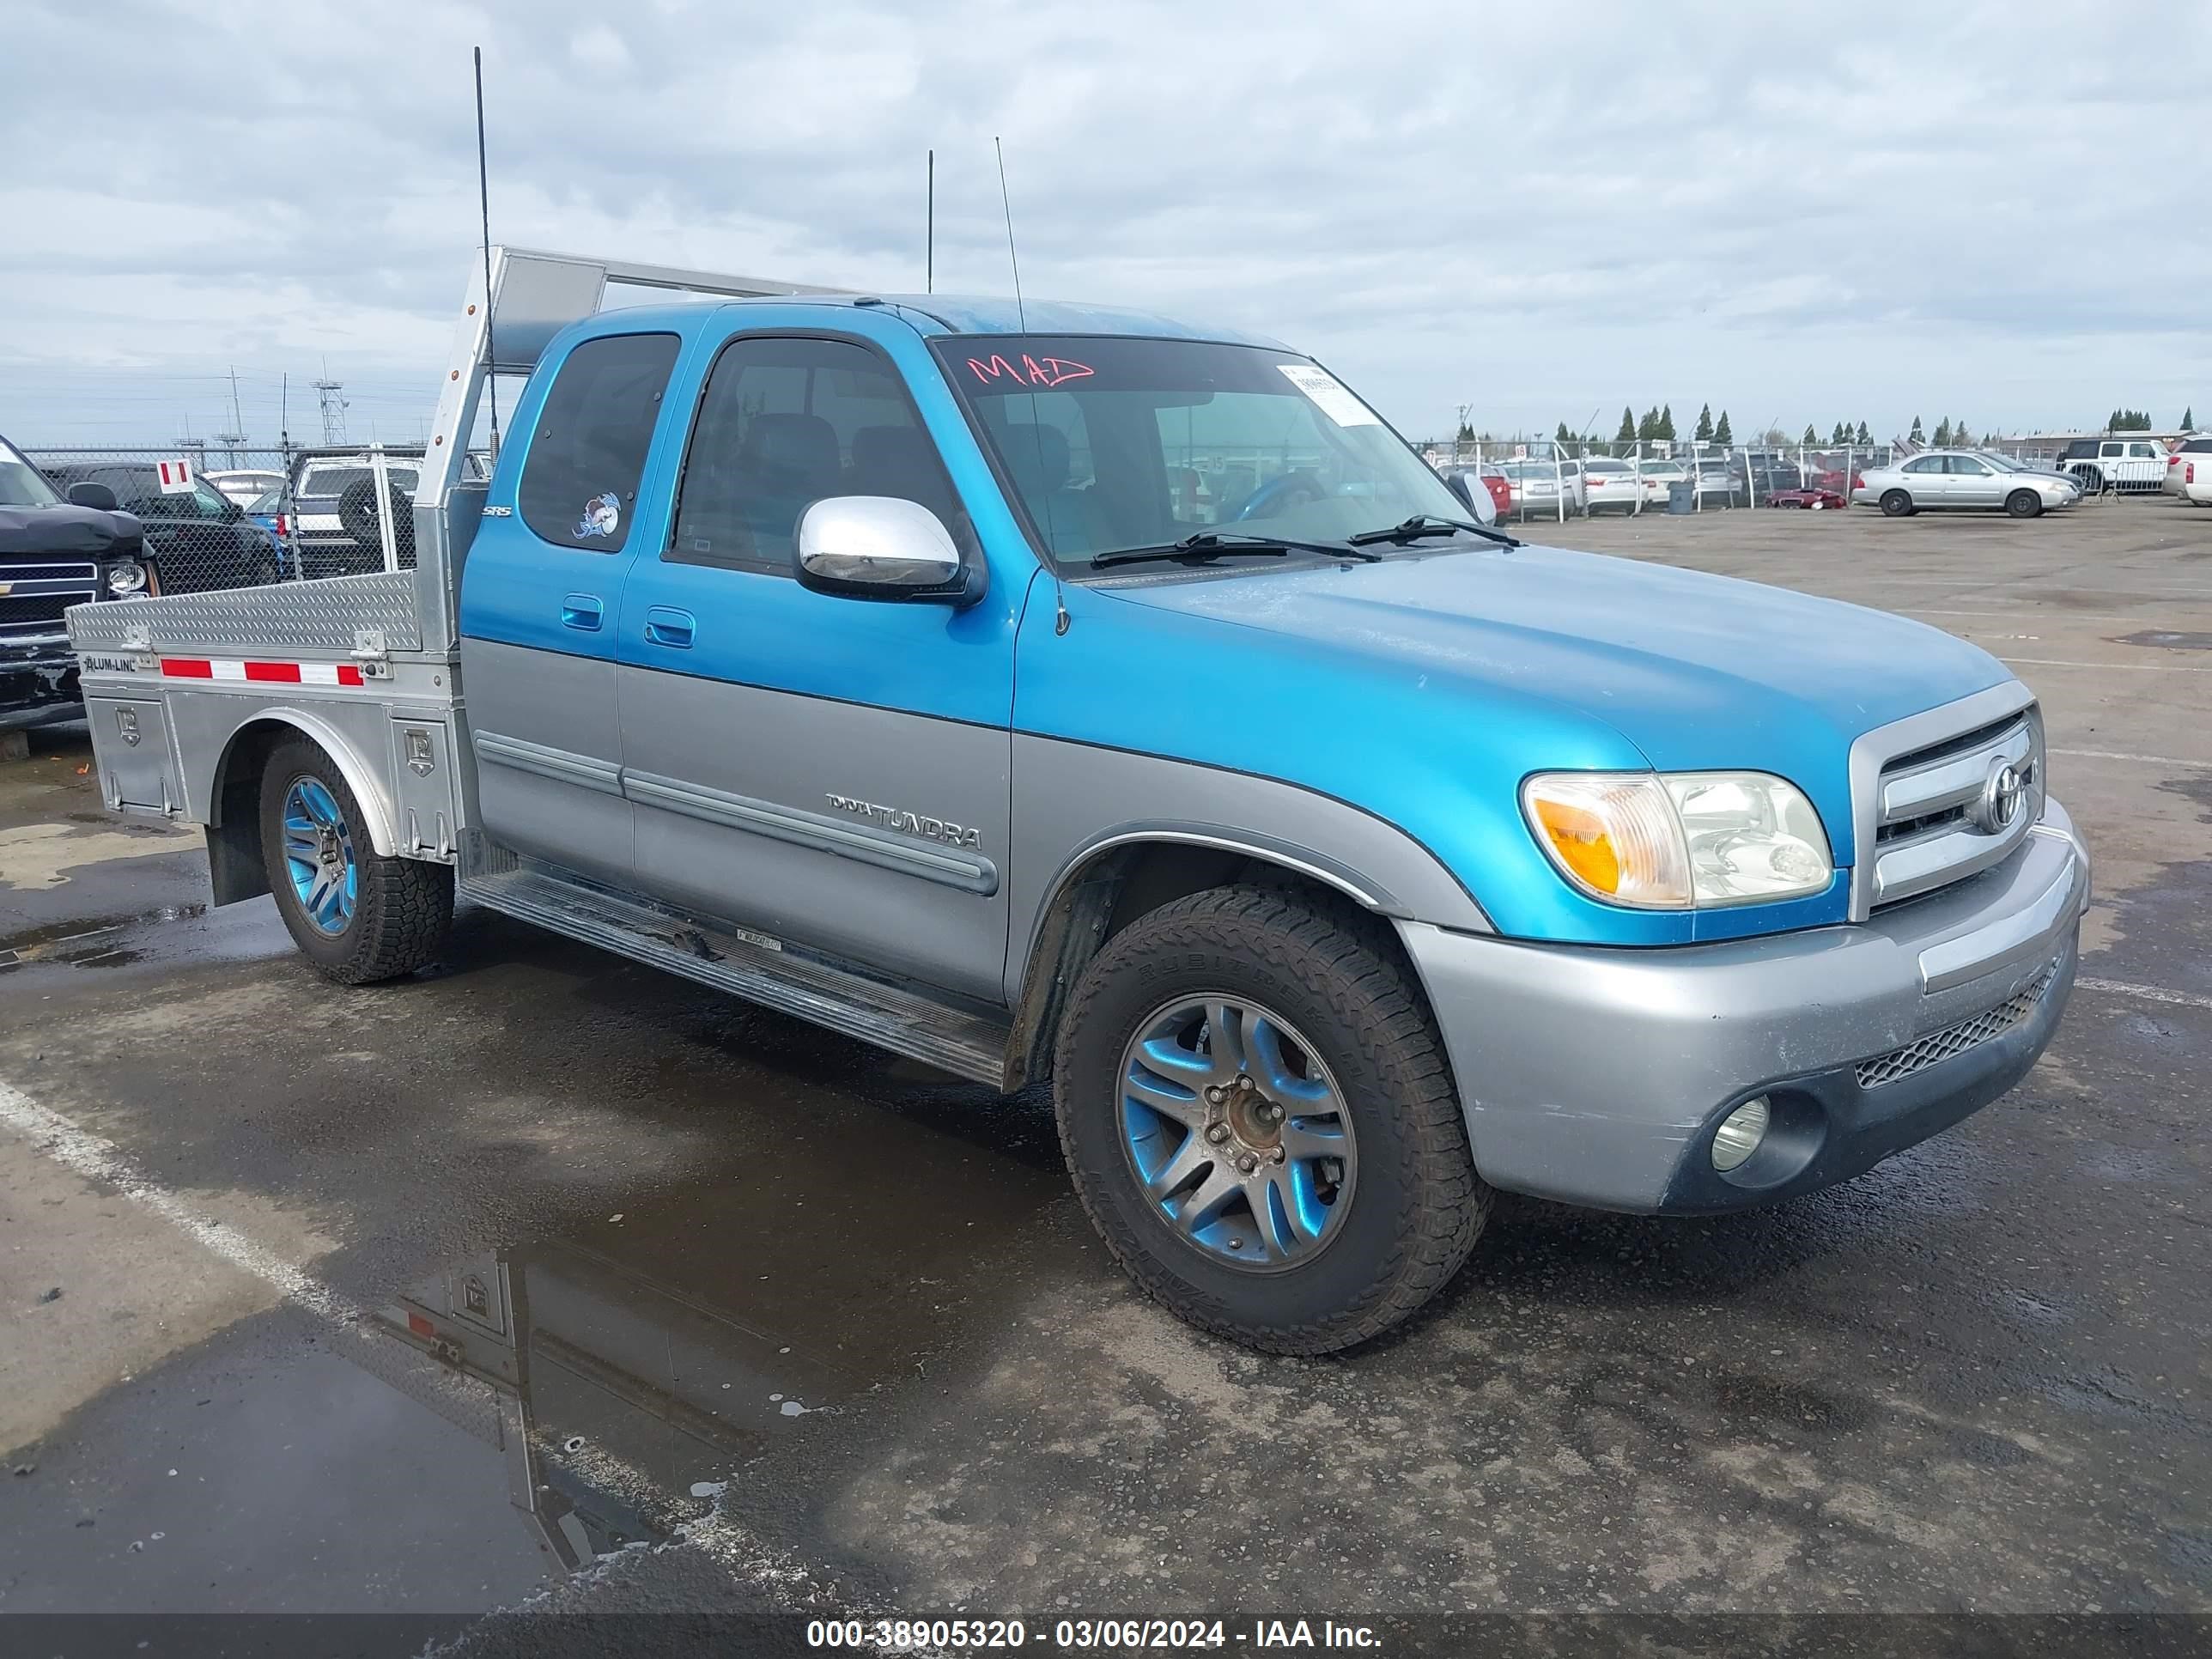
{"x":543,"y":1280}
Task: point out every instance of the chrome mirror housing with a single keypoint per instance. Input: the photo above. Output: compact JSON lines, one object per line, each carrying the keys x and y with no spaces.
{"x":882,"y":547}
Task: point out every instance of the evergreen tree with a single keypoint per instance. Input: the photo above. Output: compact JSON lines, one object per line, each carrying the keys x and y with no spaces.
{"x":2188,"y":418}
{"x":1840,"y":436}
{"x":1914,"y":436}
{"x":1812,"y":439}
{"x":1563,"y":437}
{"x":1627,"y":433}
{"x":1863,"y":437}
{"x":1943,"y":434}
{"x":1666,"y":421}
{"x":1704,"y":433}
{"x":1648,"y":427}
{"x":1722,"y":435}
{"x":1466,"y":433}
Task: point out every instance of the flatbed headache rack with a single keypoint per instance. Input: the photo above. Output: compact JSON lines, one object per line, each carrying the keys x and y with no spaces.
{"x":529,"y":297}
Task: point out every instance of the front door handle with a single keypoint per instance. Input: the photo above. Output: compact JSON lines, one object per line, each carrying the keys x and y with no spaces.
{"x":583,"y":610}
{"x":666,"y":625}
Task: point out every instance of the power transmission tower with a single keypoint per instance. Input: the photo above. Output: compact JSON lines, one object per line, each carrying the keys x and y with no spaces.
{"x":333,"y":407}
{"x":236,"y":435}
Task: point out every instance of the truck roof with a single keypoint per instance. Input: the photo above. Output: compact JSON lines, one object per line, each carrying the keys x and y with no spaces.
{"x":958,"y":314}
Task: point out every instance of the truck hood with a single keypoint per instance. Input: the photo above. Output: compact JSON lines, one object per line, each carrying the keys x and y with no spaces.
{"x":85,"y":532}
{"x":1697,"y":671}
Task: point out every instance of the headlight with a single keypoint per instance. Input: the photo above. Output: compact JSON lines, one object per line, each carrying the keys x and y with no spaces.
{"x":1673,"y":841}
{"x":125,"y":576}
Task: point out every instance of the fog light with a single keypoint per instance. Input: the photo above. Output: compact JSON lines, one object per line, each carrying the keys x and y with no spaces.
{"x":1739,"y":1133}
{"x":125,"y":577}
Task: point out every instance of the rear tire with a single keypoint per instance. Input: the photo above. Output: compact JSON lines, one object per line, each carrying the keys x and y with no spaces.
{"x":357,"y":916}
{"x":2024,"y":504}
{"x":1897,"y":504}
{"x":1288,"y":980}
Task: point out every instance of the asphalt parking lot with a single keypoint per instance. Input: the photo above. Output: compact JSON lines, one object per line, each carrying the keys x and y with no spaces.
{"x":788,"y":1325}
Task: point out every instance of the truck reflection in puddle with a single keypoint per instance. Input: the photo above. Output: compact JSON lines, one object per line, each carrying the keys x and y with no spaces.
{"x":619,"y":1403}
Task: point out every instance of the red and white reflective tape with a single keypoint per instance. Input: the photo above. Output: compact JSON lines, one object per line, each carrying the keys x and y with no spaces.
{"x":274,"y":674}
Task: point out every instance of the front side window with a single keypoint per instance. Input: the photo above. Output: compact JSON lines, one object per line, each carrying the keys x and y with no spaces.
{"x":579,"y":486}
{"x":22,"y":484}
{"x":787,"y":421}
{"x":1115,"y":443}
{"x":1967,"y":466}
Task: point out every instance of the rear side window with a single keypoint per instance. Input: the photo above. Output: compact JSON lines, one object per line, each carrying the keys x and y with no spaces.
{"x":578,"y":485}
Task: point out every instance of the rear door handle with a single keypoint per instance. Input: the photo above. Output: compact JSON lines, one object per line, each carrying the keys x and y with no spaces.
{"x":666,"y":625}
{"x":583,"y":610}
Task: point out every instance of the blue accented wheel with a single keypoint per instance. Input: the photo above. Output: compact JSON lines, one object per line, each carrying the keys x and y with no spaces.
{"x":1237,"y":1131}
{"x":357,"y":914}
{"x":1259,"y":1117}
{"x":319,"y":856}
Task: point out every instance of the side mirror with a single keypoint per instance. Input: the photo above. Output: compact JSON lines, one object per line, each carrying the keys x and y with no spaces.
{"x":89,"y":493}
{"x":883,"y":547}
{"x":1457,"y":484}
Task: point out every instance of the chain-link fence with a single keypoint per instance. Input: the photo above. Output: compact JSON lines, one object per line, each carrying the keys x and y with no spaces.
{"x":238,"y":518}
{"x":1543,"y":478}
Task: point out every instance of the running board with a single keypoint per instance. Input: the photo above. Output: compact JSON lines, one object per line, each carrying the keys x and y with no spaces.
{"x":967,"y":1045}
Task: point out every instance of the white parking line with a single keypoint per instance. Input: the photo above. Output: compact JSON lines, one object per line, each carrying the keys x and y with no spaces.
{"x":2138,"y":667}
{"x":95,"y":1159}
{"x":2120,"y":987}
{"x":2122,"y":754}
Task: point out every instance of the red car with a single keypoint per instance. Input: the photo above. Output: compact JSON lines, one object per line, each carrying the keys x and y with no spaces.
{"x":1812,"y":496}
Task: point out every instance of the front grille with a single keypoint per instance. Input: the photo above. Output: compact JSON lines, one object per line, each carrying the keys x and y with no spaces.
{"x":34,"y":615}
{"x":1928,"y":828}
{"x":1954,"y":1040}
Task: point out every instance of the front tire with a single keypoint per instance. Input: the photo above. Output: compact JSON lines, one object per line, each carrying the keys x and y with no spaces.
{"x":1897,"y":504}
{"x":1259,"y":1118}
{"x":2024,"y":504}
{"x":357,"y":916}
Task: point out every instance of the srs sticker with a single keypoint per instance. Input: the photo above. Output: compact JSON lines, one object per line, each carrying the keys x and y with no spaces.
{"x":601,"y":514}
{"x":1329,"y":395}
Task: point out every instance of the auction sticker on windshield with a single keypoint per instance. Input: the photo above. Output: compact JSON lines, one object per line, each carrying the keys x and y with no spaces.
{"x":1329,"y":395}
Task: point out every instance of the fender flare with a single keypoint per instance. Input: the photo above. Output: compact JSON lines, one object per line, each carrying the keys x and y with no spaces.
{"x":360,"y":777}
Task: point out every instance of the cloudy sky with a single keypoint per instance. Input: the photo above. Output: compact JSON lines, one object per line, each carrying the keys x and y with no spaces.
{"x":1797,"y":213}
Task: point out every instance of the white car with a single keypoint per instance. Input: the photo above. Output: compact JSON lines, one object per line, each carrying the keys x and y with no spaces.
{"x":2122,"y":466}
{"x":1963,"y":479}
{"x":2177,"y":464}
{"x":1611,"y":486}
{"x":243,"y":486}
{"x":1660,"y":478}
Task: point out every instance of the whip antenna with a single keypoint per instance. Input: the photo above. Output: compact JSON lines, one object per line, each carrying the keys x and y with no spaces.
{"x":1059,"y":618}
{"x":483,"y":202}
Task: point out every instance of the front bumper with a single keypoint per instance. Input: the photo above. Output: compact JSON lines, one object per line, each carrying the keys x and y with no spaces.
{"x":1598,"y":1076}
{"x":37,"y":683}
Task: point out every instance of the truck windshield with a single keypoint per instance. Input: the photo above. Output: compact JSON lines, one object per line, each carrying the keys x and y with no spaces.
{"x":22,"y":484}
{"x":1113,"y":444}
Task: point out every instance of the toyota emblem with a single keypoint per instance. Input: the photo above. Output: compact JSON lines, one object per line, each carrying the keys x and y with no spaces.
{"x":2001,"y":798}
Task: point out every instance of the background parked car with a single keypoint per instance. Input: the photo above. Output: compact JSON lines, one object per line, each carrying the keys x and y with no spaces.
{"x":1811,"y":496}
{"x":1719,"y":483}
{"x":1659,"y":479}
{"x":243,"y":484}
{"x":1963,"y":479}
{"x":1536,"y":488}
{"x":1611,"y":486}
{"x":198,"y":539}
{"x":53,"y":554}
{"x":2177,"y":463}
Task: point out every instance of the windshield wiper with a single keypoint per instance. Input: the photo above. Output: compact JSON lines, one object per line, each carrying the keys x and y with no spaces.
{"x":1427,"y":523}
{"x":1205,"y":544}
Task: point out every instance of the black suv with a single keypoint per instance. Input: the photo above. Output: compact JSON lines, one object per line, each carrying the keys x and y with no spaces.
{"x":53,"y":554}
{"x":198,"y":540}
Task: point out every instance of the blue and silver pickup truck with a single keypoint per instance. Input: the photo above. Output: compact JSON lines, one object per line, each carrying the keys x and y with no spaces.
{"x":1064,"y":695}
